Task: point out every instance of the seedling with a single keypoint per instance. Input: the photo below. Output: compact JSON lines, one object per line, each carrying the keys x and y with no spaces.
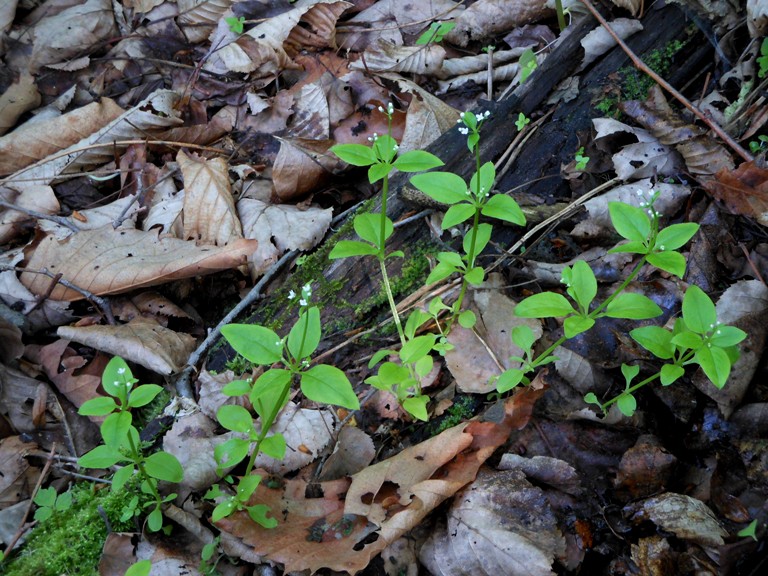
{"x":435,"y":33}
{"x":581,"y":160}
{"x":762,"y":60}
{"x":522,"y":121}
{"x":49,"y":502}
{"x":527,"y":64}
{"x":121,"y":439}
{"x":757,"y":146}
{"x":235,"y":24}
{"x":268,"y":394}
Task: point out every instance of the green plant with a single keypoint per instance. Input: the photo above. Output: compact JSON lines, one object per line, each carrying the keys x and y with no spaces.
{"x":696,"y":338}
{"x":268,"y":394}
{"x":140,"y":568}
{"x":749,"y":531}
{"x":121,"y":439}
{"x":235,"y":24}
{"x":435,"y":32}
{"x":207,"y":561}
{"x":49,"y":502}
{"x":757,"y":146}
{"x":762,"y":60}
{"x":581,"y":160}
{"x":527,"y":63}
{"x":522,"y":121}
{"x":238,"y":365}
{"x":381,"y":158}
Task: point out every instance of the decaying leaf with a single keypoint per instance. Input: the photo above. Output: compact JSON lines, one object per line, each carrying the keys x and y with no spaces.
{"x":40,"y":199}
{"x":75,"y":377}
{"x":20,"y":97}
{"x":301,"y":165}
{"x":354,"y":451}
{"x":17,"y":477}
{"x":386,"y":57}
{"x":198,"y":18}
{"x":142,"y":341}
{"x":499,"y":524}
{"x":192,"y":440}
{"x":599,"y":41}
{"x":743,"y":190}
{"x":487,"y":18}
{"x":109,"y":261}
{"x":386,"y":499}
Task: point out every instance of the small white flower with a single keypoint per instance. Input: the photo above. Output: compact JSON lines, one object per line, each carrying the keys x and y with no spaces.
{"x":390,"y":108}
{"x":381,"y":109}
{"x":640,"y":192}
{"x":458,"y":121}
{"x":121,"y":370}
{"x":395,"y":147}
{"x":461,"y":115}
{"x":650,"y":212}
{"x":128,"y":384}
{"x":718,"y":332}
{"x":302,"y":302}
{"x":464,"y":131}
{"x":306,"y":289}
{"x":709,"y":345}
{"x":642,"y":204}
{"x":711,"y":326}
{"x":116,"y":383}
{"x":662,"y":248}
{"x":370,"y":138}
{"x":291,"y":295}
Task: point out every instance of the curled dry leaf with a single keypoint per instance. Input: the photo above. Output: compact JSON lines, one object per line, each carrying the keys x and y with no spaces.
{"x":388,"y":498}
{"x":387,"y":57}
{"x":35,"y":140}
{"x":757,"y":17}
{"x":544,"y":469}
{"x":279,"y":228}
{"x":142,"y":341}
{"x":192,"y":440}
{"x":499,"y":524}
{"x":74,"y":376}
{"x":703,"y":155}
{"x":109,"y":261}
{"x":11,"y":346}
{"x":487,"y":18}
{"x":17,"y":477}
{"x":686,"y":517}
{"x":300,"y":167}
{"x":209,"y":208}
{"x":599,"y":40}
{"x":198,"y":19}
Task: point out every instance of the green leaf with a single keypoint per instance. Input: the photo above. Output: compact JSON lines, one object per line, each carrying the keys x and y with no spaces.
{"x":416,"y":320}
{"x":231,"y":452}
{"x":423,"y":366}
{"x":224,"y":509}
{"x":629,"y":221}
{"x":274,"y":446}
{"x":509,"y":379}
{"x":582,"y":285}
{"x":122,"y":476}
{"x":416,"y":406}
{"x":247,"y":486}
{"x":698,"y":310}
{"x":726,"y":336}
{"x":417,"y":161}
{"x":688,"y":340}
{"x":523,"y":337}
{"x":451,"y":258}
{"x":140,"y":568}
{"x":630,"y":248}
{"x":481,"y":241}
{"x":417,"y":348}
{"x":672,"y":262}
{"x":378,"y":171}
{"x":43,"y":514}
{"x":329,"y":385}
{"x":143,"y":395}
{"x":237,"y":388}
{"x":476,"y":276}
{"x":633,"y":307}
{"x":164,"y":466}
{"x":256,"y":343}
{"x":115,"y":428}
{"x":348,"y":248}
{"x":627,"y":404}
{"x":487,"y":177}
{"x":629,"y":373}
{"x":379,"y":355}
{"x":527,"y":63}
{"x":715,"y":363}
{"x":457,"y":214}
{"x":544,"y":305}
{"x":45,"y":497}
{"x":304,"y":337}
{"x":751,"y":530}
{"x":503,"y":207}
{"x":467,"y":319}
{"x":385,"y":148}
{"x":591,"y":398}
{"x":100,"y":457}
{"x":656,"y":340}
{"x":267,"y":391}
{"x":99,"y":406}
{"x":368,"y":227}
{"x":355,"y":154}
{"x":258,"y":513}
{"x":472,"y":141}
{"x":670,"y":373}
{"x":674,"y":236}
{"x":116,"y":374}
{"x":391,"y":374}
{"x":443,"y":187}
{"x":435,"y":32}
{"x":575,"y":325}
{"x":235,"y":418}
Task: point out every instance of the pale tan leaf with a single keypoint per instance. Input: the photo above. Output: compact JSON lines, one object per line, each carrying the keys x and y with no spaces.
{"x":300,"y":167}
{"x":17,"y":477}
{"x":503,"y":73}
{"x":486,"y":18}
{"x":192,"y":440}
{"x":40,"y":199}
{"x":209,"y":207}
{"x":499,"y":524}
{"x":71,"y":65}
{"x":142,"y":6}
{"x":311,"y":114}
{"x":633,"y":6}
{"x":387,"y":57}
{"x":152,"y":114}
{"x":11,"y":346}
{"x":599,"y":41}
{"x":74,"y":376}
{"x":279,"y":228}
{"x":93,"y":218}
{"x":20,"y":97}
{"x":686,"y":517}
{"x":198,"y":18}
{"x":318,"y":28}
{"x":71,"y":32}
{"x":354,"y":451}
{"x":108,"y":261}
{"x":757,"y":17}
{"x":142,"y":341}
{"x":477,"y":63}
{"x":165,"y":208}
{"x":7,"y":14}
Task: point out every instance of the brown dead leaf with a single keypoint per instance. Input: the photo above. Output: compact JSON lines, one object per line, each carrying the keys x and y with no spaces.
{"x":191,"y":440}
{"x":17,"y":477}
{"x":74,"y":376}
{"x":486,"y":18}
{"x":11,"y":346}
{"x":198,"y":19}
{"x":40,"y":199}
{"x":645,"y":469}
{"x":703,"y":155}
{"x":20,"y":97}
{"x":109,"y":261}
{"x":141,"y":340}
{"x":654,"y":556}
{"x":300,"y":167}
{"x":354,"y":451}
{"x":386,"y":57}
{"x":743,"y":191}
{"x":313,"y":533}
{"x":209,"y":208}
{"x":36,"y":140}
{"x":499,"y":524}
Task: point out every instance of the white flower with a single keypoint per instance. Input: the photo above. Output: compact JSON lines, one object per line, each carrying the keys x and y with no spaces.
{"x":291,"y":295}
{"x":464,"y":131}
{"x":381,"y":109}
{"x":662,"y":248}
{"x":121,"y":370}
{"x":640,"y":192}
{"x":390,"y":108}
{"x":307,"y":289}
{"x":461,"y":115}
{"x":395,"y":147}
{"x":116,"y":383}
{"x":302,"y":302}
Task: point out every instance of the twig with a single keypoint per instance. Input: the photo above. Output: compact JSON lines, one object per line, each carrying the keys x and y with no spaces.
{"x":40,"y":216}
{"x":640,"y":65}
{"x":22,"y":525}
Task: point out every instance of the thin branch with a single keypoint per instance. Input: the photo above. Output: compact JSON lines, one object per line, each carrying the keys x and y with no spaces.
{"x":60,"y":220}
{"x":640,"y":65}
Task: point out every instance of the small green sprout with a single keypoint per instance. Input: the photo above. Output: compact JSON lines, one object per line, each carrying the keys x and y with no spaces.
{"x":522,"y":121}
{"x":435,"y":33}
{"x":581,"y":160}
{"x":235,"y":24}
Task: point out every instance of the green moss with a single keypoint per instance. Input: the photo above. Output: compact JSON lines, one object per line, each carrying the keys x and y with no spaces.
{"x":70,"y":542}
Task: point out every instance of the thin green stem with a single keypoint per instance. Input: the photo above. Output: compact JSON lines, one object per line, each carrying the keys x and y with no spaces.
{"x":560,"y":14}
{"x":391,"y":299}
{"x":265,"y":427}
{"x":631,"y":389}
